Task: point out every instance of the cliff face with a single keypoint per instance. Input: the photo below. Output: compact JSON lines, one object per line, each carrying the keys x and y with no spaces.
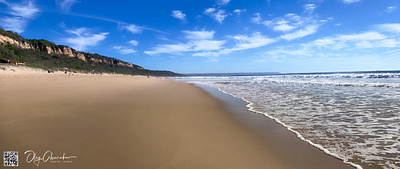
{"x":47,"y":55}
{"x":64,"y":50}
{"x":23,"y":45}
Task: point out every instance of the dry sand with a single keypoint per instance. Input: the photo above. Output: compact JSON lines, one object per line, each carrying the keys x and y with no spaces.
{"x":115,"y":121}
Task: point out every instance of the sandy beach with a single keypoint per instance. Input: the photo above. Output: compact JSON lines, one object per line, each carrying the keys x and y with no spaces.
{"x":117,"y":121}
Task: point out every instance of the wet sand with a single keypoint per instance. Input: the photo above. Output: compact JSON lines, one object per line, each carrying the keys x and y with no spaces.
{"x":284,"y":144}
{"x":115,"y":121}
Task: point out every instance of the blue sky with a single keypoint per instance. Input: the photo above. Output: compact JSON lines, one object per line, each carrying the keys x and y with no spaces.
{"x":204,"y":36}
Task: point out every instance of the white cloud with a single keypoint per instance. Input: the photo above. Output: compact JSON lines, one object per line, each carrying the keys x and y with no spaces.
{"x":309,"y":8}
{"x":210,"y":10}
{"x":389,"y":43}
{"x":249,"y":42}
{"x":390,"y":27}
{"x":362,"y":36}
{"x":390,"y":9}
{"x":15,"y":24}
{"x":20,"y":13}
{"x":238,"y":11}
{"x":203,"y":44}
{"x":206,"y":45}
{"x":223,"y":2}
{"x":283,"y":51}
{"x":243,"y":42}
{"x":283,"y":26}
{"x":133,"y":28}
{"x":179,"y":15}
{"x":169,"y":48}
{"x":323,"y":42}
{"x":341,"y":46}
{"x":79,"y":31}
{"x":65,"y":5}
{"x":84,"y":38}
{"x":197,"y":41}
{"x":289,"y":22}
{"x":218,"y":15}
{"x":257,"y":19}
{"x":199,"y":35}
{"x":308,"y":30}
{"x":351,"y":41}
{"x":162,"y":37}
{"x":350,"y":1}
{"x":124,"y":50}
{"x":24,"y":10}
{"x":134,"y":42}
{"x":293,"y":26}
{"x":364,"y":44}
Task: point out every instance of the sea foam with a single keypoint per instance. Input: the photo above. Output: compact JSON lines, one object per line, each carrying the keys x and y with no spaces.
{"x":353,"y":117}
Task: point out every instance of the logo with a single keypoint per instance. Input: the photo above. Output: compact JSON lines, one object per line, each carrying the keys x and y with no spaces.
{"x":48,"y":156}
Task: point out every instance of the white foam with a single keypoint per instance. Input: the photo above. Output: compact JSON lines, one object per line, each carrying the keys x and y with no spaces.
{"x":340,"y":119}
{"x":250,"y":108}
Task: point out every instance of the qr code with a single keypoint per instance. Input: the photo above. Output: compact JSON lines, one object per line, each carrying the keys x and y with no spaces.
{"x":10,"y":158}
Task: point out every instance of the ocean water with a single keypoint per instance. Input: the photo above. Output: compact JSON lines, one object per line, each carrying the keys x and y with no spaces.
{"x":352,"y":116}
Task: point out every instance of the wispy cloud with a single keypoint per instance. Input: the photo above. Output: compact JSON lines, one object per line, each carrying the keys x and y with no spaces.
{"x":308,"y":30}
{"x":15,"y":24}
{"x":281,"y":54}
{"x":218,"y":14}
{"x":257,"y":19}
{"x":334,"y":46}
{"x":341,"y":48}
{"x":25,"y":10}
{"x":206,"y":45}
{"x":123,"y":25}
{"x":19,"y":15}
{"x":350,"y":1}
{"x":65,"y":5}
{"x":390,"y":9}
{"x":127,"y":50}
{"x":83,"y":37}
{"x":390,"y":27}
{"x":243,"y":42}
{"x":134,"y":42}
{"x":179,"y":15}
{"x":361,"y":36}
{"x":202,"y":43}
{"x":223,"y":2}
{"x":363,"y":40}
{"x":286,"y":23}
{"x":170,"y":48}
{"x":197,"y":41}
{"x":309,"y":8}
{"x":238,"y":11}
{"x":199,"y":35}
{"x":124,"y":50}
{"x":133,"y":28}
{"x":293,"y":26}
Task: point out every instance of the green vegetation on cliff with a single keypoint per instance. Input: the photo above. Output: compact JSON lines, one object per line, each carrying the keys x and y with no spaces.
{"x":42,"y":54}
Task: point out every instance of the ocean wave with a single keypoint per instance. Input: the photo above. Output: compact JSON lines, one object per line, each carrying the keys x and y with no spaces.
{"x":353,"y":119}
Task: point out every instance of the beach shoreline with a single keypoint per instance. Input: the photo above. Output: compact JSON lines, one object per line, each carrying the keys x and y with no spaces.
{"x":118,"y":121}
{"x":285,"y":143}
